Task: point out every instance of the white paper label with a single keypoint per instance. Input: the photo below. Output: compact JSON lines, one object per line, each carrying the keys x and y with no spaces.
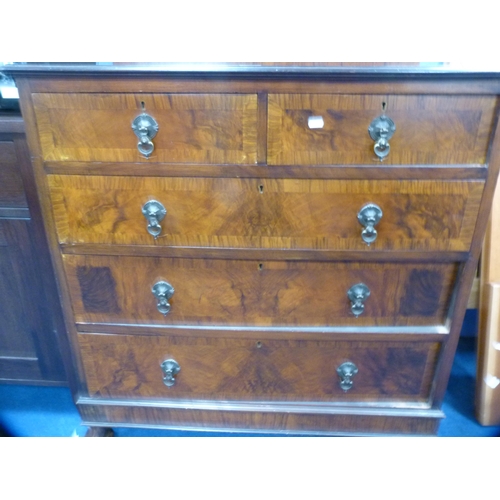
{"x":9,"y":92}
{"x":491,"y":381}
{"x":315,"y":122}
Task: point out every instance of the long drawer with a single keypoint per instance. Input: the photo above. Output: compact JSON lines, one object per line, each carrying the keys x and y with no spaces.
{"x":119,"y":289}
{"x":324,"y":129}
{"x":191,"y":128}
{"x":225,"y":369}
{"x":266,"y":213}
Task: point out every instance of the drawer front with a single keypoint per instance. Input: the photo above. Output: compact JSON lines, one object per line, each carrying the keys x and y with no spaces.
{"x":240,"y":369}
{"x":429,"y":129}
{"x":266,"y":213}
{"x":118,"y":289}
{"x":11,"y":184}
{"x":192,"y":128}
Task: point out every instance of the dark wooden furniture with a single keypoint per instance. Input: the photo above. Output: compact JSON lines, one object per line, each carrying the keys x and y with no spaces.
{"x":218,"y":246}
{"x":30,"y":313}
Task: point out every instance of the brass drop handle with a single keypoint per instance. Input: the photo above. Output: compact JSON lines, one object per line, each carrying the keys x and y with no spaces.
{"x":163,"y":291}
{"x":154,"y":212}
{"x":369,"y":216}
{"x":381,"y":130}
{"x":357,"y":295}
{"x":170,"y":369}
{"x":145,"y":128}
{"x":346,"y":372}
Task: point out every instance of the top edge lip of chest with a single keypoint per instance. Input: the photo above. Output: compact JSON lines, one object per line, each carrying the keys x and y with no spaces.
{"x":258,"y":70}
{"x":265,"y":83}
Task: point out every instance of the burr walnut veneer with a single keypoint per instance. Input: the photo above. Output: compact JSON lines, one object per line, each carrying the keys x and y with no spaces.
{"x":265,"y":249}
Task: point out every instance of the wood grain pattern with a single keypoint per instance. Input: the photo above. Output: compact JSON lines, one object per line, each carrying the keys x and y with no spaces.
{"x":211,"y":128}
{"x":347,"y":84}
{"x":264,"y":268}
{"x":264,"y":253}
{"x":267,"y":418}
{"x":11,"y":184}
{"x":376,"y":172}
{"x":57,"y":294}
{"x":232,"y":369}
{"x":256,"y":293}
{"x":429,"y":129}
{"x":433,"y":333}
{"x":266,"y":213}
{"x":470,"y":267}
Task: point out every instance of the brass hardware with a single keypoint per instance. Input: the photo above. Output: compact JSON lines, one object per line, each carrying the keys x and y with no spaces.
{"x":154,"y":212}
{"x":369,"y":216}
{"x":381,"y":130}
{"x":346,"y":372}
{"x":145,"y":128}
{"x":357,"y":295}
{"x":163,"y":291}
{"x":170,"y":368}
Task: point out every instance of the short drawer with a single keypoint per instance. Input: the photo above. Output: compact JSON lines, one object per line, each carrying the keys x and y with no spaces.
{"x":429,"y":129}
{"x":266,"y":213}
{"x":118,"y":289}
{"x":225,"y":369}
{"x":192,"y":128}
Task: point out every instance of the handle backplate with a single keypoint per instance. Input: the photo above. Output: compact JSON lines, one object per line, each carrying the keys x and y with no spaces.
{"x":381,"y":130}
{"x":154,"y":212}
{"x":145,"y":128}
{"x":346,"y":372}
{"x":369,"y":216}
{"x":170,"y":369}
{"x":163,"y":291}
{"x":358,"y":294}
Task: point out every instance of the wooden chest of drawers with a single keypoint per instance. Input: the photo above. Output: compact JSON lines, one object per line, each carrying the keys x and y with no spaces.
{"x":271,"y":251}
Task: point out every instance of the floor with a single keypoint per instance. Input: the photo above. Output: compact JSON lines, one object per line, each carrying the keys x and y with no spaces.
{"x":49,"y":411}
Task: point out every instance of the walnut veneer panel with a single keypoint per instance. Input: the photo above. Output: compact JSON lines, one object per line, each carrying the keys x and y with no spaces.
{"x":243,"y":177}
{"x":241,"y":292}
{"x":266,"y":213}
{"x":198,"y":128}
{"x":232,"y":369}
{"x":429,"y":129}
{"x":266,"y":418}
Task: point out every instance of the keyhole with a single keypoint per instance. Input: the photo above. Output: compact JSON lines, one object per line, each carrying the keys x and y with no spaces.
{"x":261,"y":266}
{"x":143,"y":106}
{"x":384,"y":105}
{"x":261,"y":188}
{"x":259,"y":344}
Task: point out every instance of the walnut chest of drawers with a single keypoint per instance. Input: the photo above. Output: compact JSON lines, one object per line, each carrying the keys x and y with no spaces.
{"x":268,"y":249}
